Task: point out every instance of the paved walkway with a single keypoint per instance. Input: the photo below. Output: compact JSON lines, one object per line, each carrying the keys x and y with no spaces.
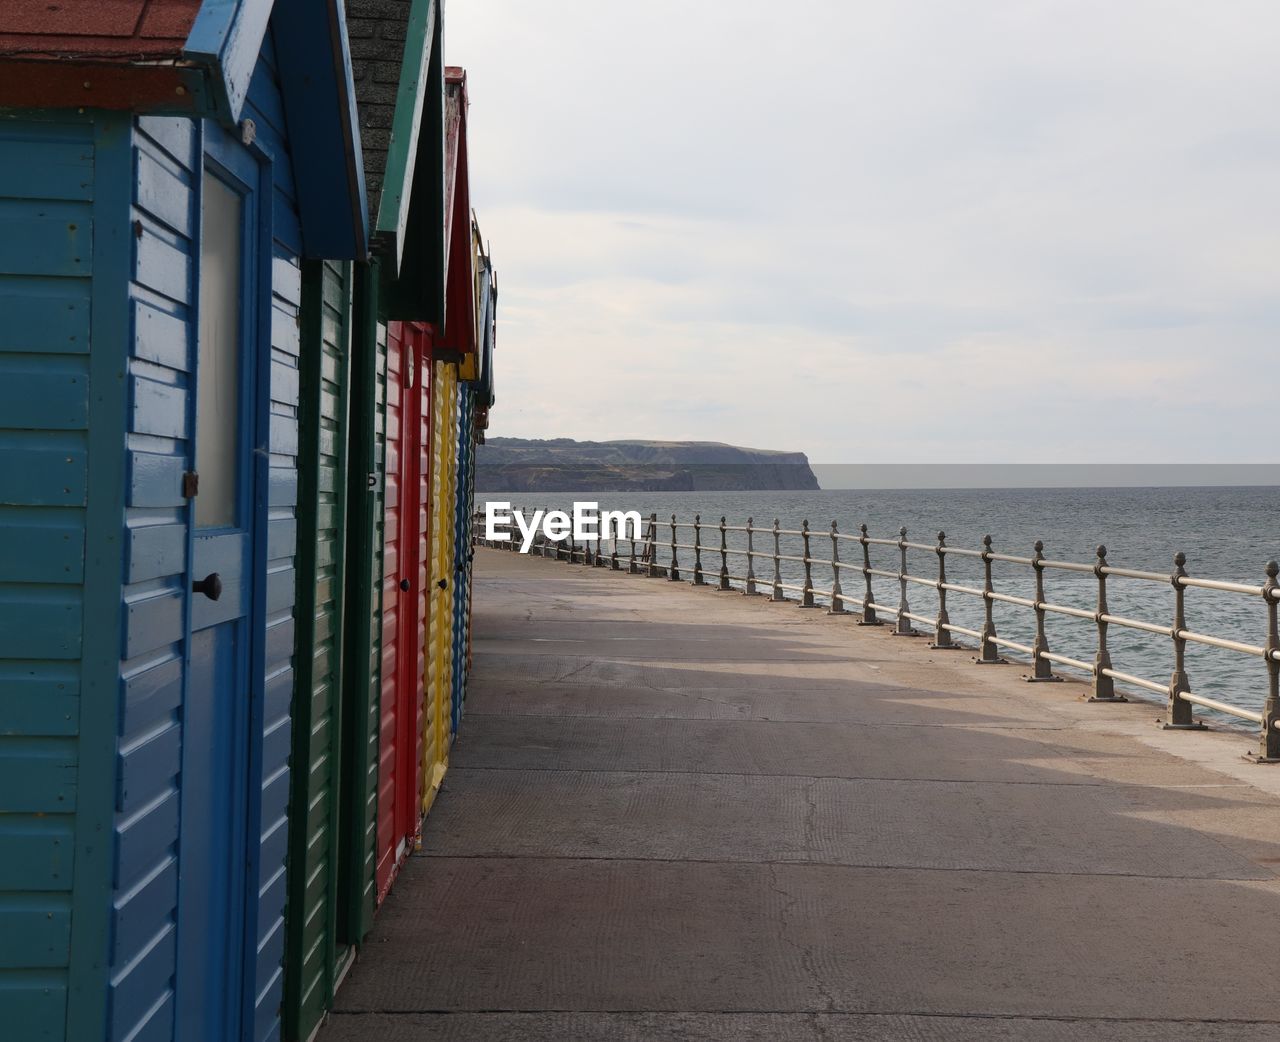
{"x":682,"y":814}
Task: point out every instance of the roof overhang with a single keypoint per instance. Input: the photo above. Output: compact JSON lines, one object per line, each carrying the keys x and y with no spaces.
{"x":410,"y":232}
{"x":314,"y":59}
{"x":462,"y":256}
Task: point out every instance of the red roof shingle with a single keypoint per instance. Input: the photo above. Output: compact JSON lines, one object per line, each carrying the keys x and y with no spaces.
{"x":96,"y":30}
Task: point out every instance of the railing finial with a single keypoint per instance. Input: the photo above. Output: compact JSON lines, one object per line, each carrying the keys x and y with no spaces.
{"x":1041,"y":668}
{"x":1179,"y":716}
{"x":903,"y":627}
{"x":673,"y":572}
{"x":942,"y":623}
{"x":1269,"y":740}
{"x":837,"y":594}
{"x":806,"y":598}
{"x":988,"y":649}
{"x":1104,"y":685}
{"x":868,"y":598}
{"x":698,"y":580}
{"x":777,"y":565}
{"x":724,"y":557}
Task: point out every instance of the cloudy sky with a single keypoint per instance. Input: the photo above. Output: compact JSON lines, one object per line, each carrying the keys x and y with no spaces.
{"x":902,"y":230}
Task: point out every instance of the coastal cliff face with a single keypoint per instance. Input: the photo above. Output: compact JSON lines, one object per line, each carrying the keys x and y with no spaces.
{"x":565,"y":465}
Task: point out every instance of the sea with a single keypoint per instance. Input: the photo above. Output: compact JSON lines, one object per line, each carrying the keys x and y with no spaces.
{"x":1226,"y":533}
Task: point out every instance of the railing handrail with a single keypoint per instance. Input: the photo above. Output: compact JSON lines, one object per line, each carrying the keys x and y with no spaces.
{"x":1180,"y":698}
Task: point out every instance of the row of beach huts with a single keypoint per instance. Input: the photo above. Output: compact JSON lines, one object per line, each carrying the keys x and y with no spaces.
{"x":246,"y":353}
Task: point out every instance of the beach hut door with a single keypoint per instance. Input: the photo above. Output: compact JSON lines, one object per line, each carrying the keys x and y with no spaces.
{"x":215,"y":853}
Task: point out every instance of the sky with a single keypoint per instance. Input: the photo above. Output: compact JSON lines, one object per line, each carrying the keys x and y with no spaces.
{"x":898,"y":231}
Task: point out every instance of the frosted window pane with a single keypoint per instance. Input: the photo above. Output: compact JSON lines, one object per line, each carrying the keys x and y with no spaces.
{"x":218,"y":396}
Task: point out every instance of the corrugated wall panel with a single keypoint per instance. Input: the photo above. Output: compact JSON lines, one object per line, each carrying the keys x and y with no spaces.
{"x":311,"y":918}
{"x":44,"y":341}
{"x":264,"y":106}
{"x":423,"y":579}
{"x":392,"y":758}
{"x":160,"y":415}
{"x":435,"y":746}
{"x":462,"y":551}
{"x":362,"y":680}
{"x":144,"y":907}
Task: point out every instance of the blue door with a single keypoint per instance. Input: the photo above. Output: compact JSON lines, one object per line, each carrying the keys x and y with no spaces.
{"x":218,"y":844}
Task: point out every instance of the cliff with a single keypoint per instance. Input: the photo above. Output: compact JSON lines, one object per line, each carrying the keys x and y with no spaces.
{"x":564,"y":465}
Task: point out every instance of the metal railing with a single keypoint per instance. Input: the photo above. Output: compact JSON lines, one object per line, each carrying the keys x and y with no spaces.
{"x":643,"y":555}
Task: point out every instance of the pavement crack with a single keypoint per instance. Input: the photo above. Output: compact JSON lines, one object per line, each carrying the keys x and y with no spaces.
{"x":804,"y":951}
{"x":810,"y":817}
{"x":571,"y":674}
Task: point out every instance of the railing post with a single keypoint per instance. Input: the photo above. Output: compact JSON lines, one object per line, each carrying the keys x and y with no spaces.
{"x":806,"y":598}
{"x":837,"y":594}
{"x":1104,"y":687}
{"x":750,"y":591}
{"x":1180,"y":712}
{"x":1269,"y":739}
{"x":1042,"y":668}
{"x":941,"y":634}
{"x":903,"y":627}
{"x":613,"y":551}
{"x":989,"y":650}
{"x":673,"y":573}
{"x":631,"y":559}
{"x":777,"y":565}
{"x":724,"y":555}
{"x":697,"y":551}
{"x":868,"y":598}
{"x":588,"y":558}
{"x":651,"y":546}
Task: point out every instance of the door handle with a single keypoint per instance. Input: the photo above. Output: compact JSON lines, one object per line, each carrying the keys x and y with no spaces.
{"x":210,"y":586}
{"x":404,"y":585}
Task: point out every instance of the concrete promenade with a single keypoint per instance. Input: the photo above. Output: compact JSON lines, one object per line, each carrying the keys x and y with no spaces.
{"x":675,"y":813}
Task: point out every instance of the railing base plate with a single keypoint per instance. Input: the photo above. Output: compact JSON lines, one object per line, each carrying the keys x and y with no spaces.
{"x":1255,"y":758}
{"x":991,"y":662}
{"x":1044,"y":680}
{"x":1197,"y":726}
{"x":1112,"y":698}
{"x":948,"y":647}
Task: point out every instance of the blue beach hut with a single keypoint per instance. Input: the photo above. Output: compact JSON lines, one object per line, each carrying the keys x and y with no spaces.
{"x":165,"y":166}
